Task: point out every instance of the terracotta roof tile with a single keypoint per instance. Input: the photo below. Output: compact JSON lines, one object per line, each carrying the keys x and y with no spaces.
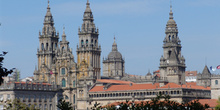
{"x":191,"y":73}
{"x":174,"y":85}
{"x":125,"y":87}
{"x":191,"y":83}
{"x":145,"y":86}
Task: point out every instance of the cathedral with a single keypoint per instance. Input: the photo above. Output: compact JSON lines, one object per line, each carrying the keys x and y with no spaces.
{"x":59,"y":75}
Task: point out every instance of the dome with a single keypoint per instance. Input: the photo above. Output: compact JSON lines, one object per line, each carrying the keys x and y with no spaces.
{"x":171,"y":21}
{"x":114,"y":54}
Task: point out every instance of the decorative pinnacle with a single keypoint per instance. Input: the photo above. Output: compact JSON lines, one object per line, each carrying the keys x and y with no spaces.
{"x":114,"y":38}
{"x":63,"y":29}
{"x":171,"y":12}
{"x":48,"y":3}
{"x":87,"y":2}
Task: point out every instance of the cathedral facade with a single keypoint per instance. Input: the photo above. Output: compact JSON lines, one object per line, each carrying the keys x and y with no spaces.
{"x":79,"y":82}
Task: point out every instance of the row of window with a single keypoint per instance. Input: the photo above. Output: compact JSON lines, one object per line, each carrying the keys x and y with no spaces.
{"x":34,"y":97}
{"x":133,"y":94}
{"x":46,"y":47}
{"x":64,"y":83}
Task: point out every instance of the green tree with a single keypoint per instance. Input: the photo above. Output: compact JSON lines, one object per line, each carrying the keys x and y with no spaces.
{"x":218,"y":105}
{"x":63,"y":105}
{"x":97,"y":106}
{"x":161,"y":102}
{"x":16,"y":104}
{"x":4,"y":71}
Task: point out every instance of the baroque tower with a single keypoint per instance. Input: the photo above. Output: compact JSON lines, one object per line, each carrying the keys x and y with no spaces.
{"x":48,"y":43}
{"x":88,"y":50}
{"x":113,"y":66}
{"x":172,"y":63}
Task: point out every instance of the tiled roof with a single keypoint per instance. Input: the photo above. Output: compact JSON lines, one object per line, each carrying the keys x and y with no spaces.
{"x":191,"y":83}
{"x":113,"y":81}
{"x":211,"y":102}
{"x":125,"y":87}
{"x":174,"y":85}
{"x":156,"y":71}
{"x":144,"y":86}
{"x":191,"y":73}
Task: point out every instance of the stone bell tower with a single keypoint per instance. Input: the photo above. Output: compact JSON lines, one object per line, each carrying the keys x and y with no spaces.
{"x":172,"y":63}
{"x":48,"y":43}
{"x":88,"y":50}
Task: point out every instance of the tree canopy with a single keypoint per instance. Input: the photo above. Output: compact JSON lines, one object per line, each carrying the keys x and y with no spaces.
{"x":63,"y":105}
{"x":4,"y":71}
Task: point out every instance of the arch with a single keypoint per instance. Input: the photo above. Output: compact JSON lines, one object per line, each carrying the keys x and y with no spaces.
{"x":63,"y":71}
{"x":45,"y":106}
{"x":42,"y":46}
{"x":74,"y":83}
{"x":66,"y":97}
{"x":63,"y":82}
{"x":52,"y":46}
{"x":171,"y":92}
{"x":63,"y":48}
{"x":55,"y":45}
{"x":95,"y":42}
{"x":169,"y":37}
{"x":216,"y":82}
{"x":82,"y":42}
{"x":46,"y":46}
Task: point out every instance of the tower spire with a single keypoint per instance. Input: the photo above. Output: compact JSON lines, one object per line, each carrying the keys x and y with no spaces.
{"x":88,"y":7}
{"x":64,"y":35}
{"x":114,"y":46}
{"x":48,"y":3}
{"x":171,"y":12}
{"x":63,"y":29}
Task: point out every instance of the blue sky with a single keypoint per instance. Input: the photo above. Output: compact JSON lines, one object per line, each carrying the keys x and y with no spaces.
{"x":139,"y":27}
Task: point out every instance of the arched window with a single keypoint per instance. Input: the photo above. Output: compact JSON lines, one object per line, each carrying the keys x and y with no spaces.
{"x":66,"y":97}
{"x":216,"y":82}
{"x":52,"y":46}
{"x":42,"y":46}
{"x":87,"y":41}
{"x":46,"y":46}
{"x":74,"y":83}
{"x":95,"y":42}
{"x":169,"y":37}
{"x":51,"y":107}
{"x":45,"y":106}
{"x":74,"y":98}
{"x":63,"y":48}
{"x":55,"y":45}
{"x":82,"y":43}
{"x":63,"y":82}
{"x":63,"y":71}
{"x":39,"y":106}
